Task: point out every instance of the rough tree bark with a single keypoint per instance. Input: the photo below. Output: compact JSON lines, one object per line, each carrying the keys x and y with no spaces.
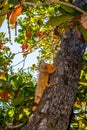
{"x":56,"y":105}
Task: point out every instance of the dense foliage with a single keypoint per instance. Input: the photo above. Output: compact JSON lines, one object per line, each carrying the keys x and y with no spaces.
{"x":16,"y":91}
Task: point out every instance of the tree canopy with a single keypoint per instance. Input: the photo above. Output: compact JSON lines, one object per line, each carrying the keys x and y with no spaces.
{"x":38,"y":25}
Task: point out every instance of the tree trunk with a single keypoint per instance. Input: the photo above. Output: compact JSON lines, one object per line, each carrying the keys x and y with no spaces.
{"x":56,"y":105}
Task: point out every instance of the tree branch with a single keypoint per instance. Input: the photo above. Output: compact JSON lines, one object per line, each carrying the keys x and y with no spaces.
{"x":10,"y":125}
{"x":55,"y":2}
{"x":49,"y":2}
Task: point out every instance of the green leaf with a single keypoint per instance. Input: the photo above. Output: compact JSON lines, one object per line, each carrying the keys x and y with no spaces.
{"x":4,"y":10}
{"x":19,"y":81}
{"x":18,"y":100}
{"x":82,"y":74}
{"x":83,"y":83}
{"x":58,"y":20}
{"x":67,"y":9}
{"x":84,"y":32}
{"x":11,"y":113}
{"x":86,"y":76}
{"x":13,"y":2}
{"x":2,"y":18}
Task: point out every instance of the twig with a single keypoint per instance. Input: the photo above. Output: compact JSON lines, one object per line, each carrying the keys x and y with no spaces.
{"x":9,"y":32}
{"x":10,"y":125}
{"x":27,"y":51}
{"x":24,"y":62}
{"x":35,"y":4}
{"x":19,"y":62}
